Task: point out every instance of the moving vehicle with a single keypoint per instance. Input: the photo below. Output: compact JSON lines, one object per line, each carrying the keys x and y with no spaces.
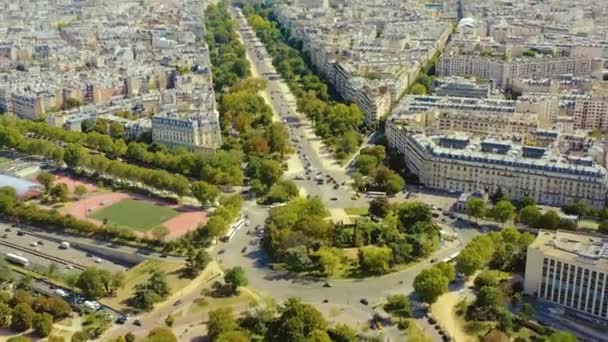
{"x":376,"y":194}
{"x":64,"y":245}
{"x":17,"y":259}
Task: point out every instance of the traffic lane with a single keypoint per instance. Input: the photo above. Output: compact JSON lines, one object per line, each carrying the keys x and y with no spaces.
{"x":72,"y":255}
{"x":283,"y":285}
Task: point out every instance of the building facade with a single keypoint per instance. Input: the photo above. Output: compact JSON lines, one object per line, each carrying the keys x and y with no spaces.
{"x":571,"y":270}
{"x":459,"y":163}
{"x":192,"y":130}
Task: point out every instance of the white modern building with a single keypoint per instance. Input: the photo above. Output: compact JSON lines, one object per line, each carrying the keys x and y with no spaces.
{"x":571,"y":270}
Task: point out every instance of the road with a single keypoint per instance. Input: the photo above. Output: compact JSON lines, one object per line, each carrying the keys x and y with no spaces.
{"x":72,"y":256}
{"x":244,"y":248}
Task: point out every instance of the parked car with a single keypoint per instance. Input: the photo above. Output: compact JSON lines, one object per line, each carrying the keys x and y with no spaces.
{"x":364,"y":301}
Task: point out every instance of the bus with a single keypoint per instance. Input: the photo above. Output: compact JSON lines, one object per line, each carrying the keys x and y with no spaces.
{"x":235,"y":228}
{"x":376,"y":194}
{"x":17,"y":259}
{"x":451,"y":257}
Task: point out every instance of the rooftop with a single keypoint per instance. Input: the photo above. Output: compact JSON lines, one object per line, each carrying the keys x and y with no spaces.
{"x":573,"y":247}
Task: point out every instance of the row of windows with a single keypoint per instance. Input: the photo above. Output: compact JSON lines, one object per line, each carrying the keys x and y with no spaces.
{"x":575,"y":287}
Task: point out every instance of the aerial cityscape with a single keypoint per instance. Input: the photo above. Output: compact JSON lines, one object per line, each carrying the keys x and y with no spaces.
{"x":303,"y":170}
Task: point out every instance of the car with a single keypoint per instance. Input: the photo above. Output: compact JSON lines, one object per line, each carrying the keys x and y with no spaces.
{"x":336,"y":187}
{"x":4,"y":236}
{"x":221,"y":251}
{"x":327,"y":285}
{"x":431,"y":320}
{"x":7,"y":229}
{"x":177,"y":302}
{"x":244,"y":250}
{"x":163,"y":256}
{"x":364,"y":301}
{"x":334,"y":198}
{"x":433,"y":260}
{"x":446,"y":338}
{"x":40,"y":243}
{"x":20,"y":233}
{"x":98,"y":260}
{"x":34,"y":244}
{"x":441,"y":332}
{"x":69,"y":267}
{"x":325,"y":301}
{"x":12,"y":225}
{"x":89,"y":255}
{"x":137,"y":323}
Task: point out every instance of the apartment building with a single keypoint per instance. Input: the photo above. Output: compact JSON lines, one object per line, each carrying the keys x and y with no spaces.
{"x":570,"y":269}
{"x":503,"y":71}
{"x":465,"y":164}
{"x":193,"y":130}
{"x":591,"y":112}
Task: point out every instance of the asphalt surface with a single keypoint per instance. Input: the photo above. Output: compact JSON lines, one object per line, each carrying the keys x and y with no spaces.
{"x":72,"y":255}
{"x":244,"y":248}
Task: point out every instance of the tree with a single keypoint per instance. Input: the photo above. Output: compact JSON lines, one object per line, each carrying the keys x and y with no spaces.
{"x":374,"y":259}
{"x":55,"y":339}
{"x":489,"y":297}
{"x":80,"y":336}
{"x":379,"y":207}
{"x":46,"y":179}
{"x":549,"y":220}
{"x":159,"y":232}
{"x":526,"y":312}
{"x":296,"y":323}
{"x":398,"y":305}
{"x":90,"y":282}
{"x":530,"y":215}
{"x":476,"y":207}
{"x":80,"y":190}
{"x":448,"y":270}
{"x":6,"y":314}
{"x":196,"y":261}
{"x":487,"y":278}
{"x":412,"y":212}
{"x":117,"y":130}
{"x":205,"y":193}
{"x":562,"y":336}
{"x":418,"y":89}
{"x":42,"y":324}
{"x":603,"y":227}
{"x":129,"y":337}
{"x":221,"y":321}
{"x":6,"y":273}
{"x":233,"y":336}
{"x":503,"y":211}
{"x":160,"y":334}
{"x":22,"y":317}
{"x":430,"y":284}
{"x":19,"y":339}
{"x":497,"y":196}
{"x":235,"y":277}
{"x":342,"y":333}
{"x":94,"y":325}
{"x":330,"y":260}
{"x":59,"y":192}
{"x":469,"y":260}
{"x":318,"y":336}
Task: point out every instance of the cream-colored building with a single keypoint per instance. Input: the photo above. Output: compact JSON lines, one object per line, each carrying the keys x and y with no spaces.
{"x":504,"y":73}
{"x":569,"y":269}
{"x":463,"y":164}
{"x":191,"y":130}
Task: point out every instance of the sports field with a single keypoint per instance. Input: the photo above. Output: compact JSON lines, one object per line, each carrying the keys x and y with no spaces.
{"x":135,"y":214}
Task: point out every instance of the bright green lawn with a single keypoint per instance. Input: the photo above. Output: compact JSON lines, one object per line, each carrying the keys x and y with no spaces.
{"x":139,"y":215}
{"x":588,"y":224}
{"x":355,"y":211}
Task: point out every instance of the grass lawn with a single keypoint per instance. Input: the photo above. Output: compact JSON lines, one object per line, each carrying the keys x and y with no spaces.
{"x":588,"y":224}
{"x":4,"y":160}
{"x":356,"y":211}
{"x":138,"y":215}
{"x":140,"y":273}
{"x":415,"y":334}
